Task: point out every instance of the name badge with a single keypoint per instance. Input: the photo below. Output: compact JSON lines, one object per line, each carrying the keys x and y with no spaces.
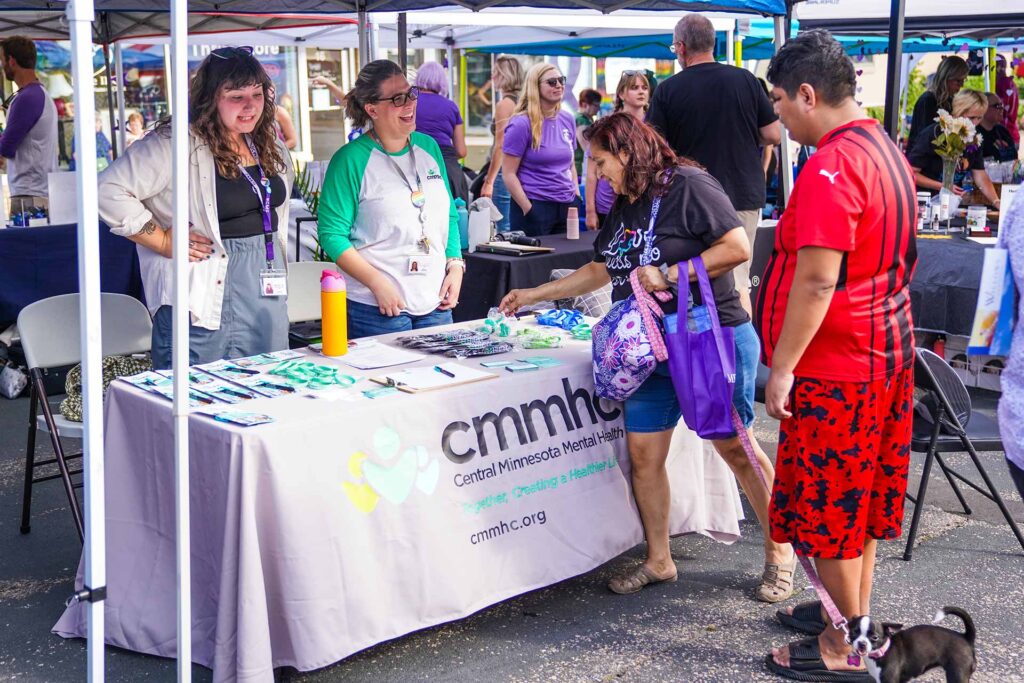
{"x":273,"y":283}
{"x":417,"y":264}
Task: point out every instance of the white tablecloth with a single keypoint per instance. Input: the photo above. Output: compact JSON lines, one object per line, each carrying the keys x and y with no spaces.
{"x":344,"y":524}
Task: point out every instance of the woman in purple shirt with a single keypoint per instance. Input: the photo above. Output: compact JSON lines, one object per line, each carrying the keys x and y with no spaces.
{"x":538,"y":164}
{"x":438,"y":117}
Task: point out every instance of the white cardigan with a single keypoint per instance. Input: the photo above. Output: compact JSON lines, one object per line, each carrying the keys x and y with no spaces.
{"x":137,"y":187}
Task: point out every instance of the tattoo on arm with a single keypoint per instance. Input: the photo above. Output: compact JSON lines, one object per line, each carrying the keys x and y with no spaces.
{"x":149,"y":228}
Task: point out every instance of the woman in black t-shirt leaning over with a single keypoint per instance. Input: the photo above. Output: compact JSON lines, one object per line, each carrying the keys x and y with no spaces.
{"x":695,"y":218}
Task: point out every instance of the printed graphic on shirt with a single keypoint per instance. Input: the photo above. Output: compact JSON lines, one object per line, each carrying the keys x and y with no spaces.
{"x":624,"y":252}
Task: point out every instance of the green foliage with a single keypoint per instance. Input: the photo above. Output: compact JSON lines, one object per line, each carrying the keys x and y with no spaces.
{"x":916,"y":86}
{"x":877,"y":113}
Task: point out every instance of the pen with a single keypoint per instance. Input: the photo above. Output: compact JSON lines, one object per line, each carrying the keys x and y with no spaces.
{"x":444,"y":372}
{"x":200,"y":398}
{"x":233,"y":392}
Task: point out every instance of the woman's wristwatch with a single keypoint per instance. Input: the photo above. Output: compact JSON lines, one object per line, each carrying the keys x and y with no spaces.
{"x":456,"y":262}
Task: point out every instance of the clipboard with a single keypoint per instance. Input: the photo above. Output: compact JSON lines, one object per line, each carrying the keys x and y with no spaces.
{"x":426,"y":378}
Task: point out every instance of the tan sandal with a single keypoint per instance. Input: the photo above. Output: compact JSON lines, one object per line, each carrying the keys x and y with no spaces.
{"x":633,"y":581}
{"x":776,"y":582}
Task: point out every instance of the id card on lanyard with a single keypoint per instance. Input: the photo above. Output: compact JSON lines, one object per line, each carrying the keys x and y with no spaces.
{"x":273,"y":281}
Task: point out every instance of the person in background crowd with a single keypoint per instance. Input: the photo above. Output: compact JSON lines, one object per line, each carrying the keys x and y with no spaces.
{"x":948,"y":80}
{"x":927,"y":163}
{"x":695,"y":218}
{"x":508,"y":80}
{"x":769,"y":160}
{"x":589,"y":106}
{"x":1011,"y":402}
{"x":719,"y":116}
{"x":29,"y":141}
{"x":104,"y":151}
{"x":135,"y":129}
{"x":632,"y":95}
{"x":285,"y":127}
{"x":439,"y":117}
{"x":1006,"y":89}
{"x":239,"y":178}
{"x":996,"y":141}
{"x":841,"y":374}
{"x":538,"y":148}
{"x":386,"y":215}
{"x":334,"y":88}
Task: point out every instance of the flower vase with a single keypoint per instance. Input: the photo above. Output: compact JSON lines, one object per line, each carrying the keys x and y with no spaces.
{"x":949,"y":165}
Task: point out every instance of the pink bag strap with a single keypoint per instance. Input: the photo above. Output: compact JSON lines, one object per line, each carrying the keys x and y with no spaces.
{"x":649,"y":310}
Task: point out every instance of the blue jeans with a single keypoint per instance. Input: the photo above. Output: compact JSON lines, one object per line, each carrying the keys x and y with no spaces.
{"x":545,"y":217}
{"x":368,"y":321}
{"x":503,"y":200}
{"x":655,"y":408}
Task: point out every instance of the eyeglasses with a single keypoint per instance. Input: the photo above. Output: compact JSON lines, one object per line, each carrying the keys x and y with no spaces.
{"x":637,"y":72}
{"x":232,"y":52}
{"x":554,"y":82}
{"x":402,"y":98}
{"x":673,"y":49}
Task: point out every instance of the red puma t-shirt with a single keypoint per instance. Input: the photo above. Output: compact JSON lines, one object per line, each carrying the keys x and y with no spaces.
{"x":856,"y":195}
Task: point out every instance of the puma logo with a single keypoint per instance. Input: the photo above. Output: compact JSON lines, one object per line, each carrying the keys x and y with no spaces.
{"x":831,"y":176}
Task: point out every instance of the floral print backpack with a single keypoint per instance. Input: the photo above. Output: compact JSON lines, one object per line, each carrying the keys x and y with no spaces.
{"x":627,"y":342}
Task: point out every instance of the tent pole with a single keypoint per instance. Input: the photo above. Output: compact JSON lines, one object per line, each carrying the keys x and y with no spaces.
{"x":374,"y":41}
{"x":403,"y":40}
{"x":180,"y":350}
{"x":453,"y":84}
{"x":122,"y":135}
{"x":80,"y":18}
{"x":892,"y":76}
{"x":110,"y":95}
{"x":364,"y":43}
{"x":785,"y":166}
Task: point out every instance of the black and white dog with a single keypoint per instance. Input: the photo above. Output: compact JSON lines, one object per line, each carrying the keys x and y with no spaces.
{"x":893,"y":655}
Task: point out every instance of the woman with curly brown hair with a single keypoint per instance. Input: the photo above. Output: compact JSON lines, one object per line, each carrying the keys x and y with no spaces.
{"x":240,"y":175}
{"x":694,"y":217}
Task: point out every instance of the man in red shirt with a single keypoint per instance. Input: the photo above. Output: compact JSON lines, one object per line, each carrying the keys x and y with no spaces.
{"x":834,"y":312}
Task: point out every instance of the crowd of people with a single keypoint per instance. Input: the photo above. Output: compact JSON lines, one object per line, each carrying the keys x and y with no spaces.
{"x":675,"y":173}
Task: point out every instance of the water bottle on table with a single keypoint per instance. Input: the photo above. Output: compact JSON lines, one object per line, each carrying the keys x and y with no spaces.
{"x":333,"y":313}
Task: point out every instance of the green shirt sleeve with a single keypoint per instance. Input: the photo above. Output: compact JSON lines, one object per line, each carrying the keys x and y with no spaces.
{"x":339,"y":197}
{"x":454,"y":247}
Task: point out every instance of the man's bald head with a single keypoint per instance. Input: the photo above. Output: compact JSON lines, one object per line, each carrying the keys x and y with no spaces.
{"x":697,"y":33}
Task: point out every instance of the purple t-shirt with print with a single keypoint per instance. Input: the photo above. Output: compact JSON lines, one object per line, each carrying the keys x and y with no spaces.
{"x":604,"y":196}
{"x":437,"y":117}
{"x":545,"y":173}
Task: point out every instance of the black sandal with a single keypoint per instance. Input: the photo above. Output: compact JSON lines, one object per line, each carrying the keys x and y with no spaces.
{"x":806,"y":664}
{"x":806,"y":618}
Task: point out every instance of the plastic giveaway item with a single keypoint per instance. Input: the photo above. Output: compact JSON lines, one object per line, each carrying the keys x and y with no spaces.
{"x":482,"y":216}
{"x":333,"y":304}
{"x":572,"y":224}
{"x":460,"y":208}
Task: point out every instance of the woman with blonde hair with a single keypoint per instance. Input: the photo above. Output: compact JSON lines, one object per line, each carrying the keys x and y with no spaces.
{"x":240,"y":175}
{"x":507,"y":78}
{"x":633,"y":96}
{"x":927,"y":164}
{"x":949,"y":79}
{"x":539,"y":144}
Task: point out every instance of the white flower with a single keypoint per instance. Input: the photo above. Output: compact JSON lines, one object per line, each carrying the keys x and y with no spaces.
{"x":629,"y":325}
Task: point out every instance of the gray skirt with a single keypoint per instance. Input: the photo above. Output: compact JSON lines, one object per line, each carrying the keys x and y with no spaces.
{"x":249,"y":322}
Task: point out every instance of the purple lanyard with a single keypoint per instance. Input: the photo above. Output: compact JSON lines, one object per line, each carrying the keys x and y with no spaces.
{"x":264,"y":197}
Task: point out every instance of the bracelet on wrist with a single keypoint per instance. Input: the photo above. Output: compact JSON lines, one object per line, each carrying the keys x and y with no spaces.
{"x":456,"y":262}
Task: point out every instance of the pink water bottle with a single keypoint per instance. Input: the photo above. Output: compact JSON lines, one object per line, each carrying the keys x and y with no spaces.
{"x":572,"y":224}
{"x":333,"y":312}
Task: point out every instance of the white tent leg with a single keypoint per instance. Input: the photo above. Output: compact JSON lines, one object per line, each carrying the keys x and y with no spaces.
{"x":785,"y":165}
{"x":80,"y":18}
{"x":453,"y":82}
{"x":374,"y":39}
{"x":364,"y":42}
{"x":122,"y":138}
{"x":180,"y":144}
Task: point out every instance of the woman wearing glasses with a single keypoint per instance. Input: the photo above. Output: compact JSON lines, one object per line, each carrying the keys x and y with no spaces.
{"x":927,"y":164}
{"x":633,"y":96}
{"x":239,"y":178}
{"x":386,"y":215}
{"x":948,"y":80}
{"x":996,"y":141}
{"x":538,"y":164}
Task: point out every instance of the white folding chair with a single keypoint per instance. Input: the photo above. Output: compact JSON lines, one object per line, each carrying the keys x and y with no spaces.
{"x":304,"y":289}
{"x":49,"y":331}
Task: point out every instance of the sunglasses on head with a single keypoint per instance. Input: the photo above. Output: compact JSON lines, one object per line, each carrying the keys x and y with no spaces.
{"x":232,"y":52}
{"x":402,"y":98}
{"x":554,"y":82}
{"x":637,"y":72}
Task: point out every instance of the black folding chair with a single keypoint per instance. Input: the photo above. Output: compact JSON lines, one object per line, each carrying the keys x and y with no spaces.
{"x":945,"y":422}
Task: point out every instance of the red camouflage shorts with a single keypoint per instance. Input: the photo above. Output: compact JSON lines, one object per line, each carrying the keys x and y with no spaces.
{"x":842,"y":466}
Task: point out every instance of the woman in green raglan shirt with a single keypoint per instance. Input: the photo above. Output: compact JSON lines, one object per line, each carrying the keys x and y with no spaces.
{"x":386,"y":216}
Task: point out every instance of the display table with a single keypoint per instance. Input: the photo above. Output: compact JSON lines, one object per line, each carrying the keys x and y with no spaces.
{"x":943,"y":291}
{"x":36,"y":263}
{"x":346,"y":523}
{"x":489,"y":277}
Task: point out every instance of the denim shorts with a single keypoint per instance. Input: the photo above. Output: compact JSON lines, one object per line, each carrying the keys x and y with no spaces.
{"x":655,"y":408}
{"x":368,"y":321}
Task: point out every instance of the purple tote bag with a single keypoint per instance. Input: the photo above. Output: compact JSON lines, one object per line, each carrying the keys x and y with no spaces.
{"x":702,"y":360}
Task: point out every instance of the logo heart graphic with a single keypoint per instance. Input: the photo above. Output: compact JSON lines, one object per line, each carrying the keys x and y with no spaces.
{"x":362,"y":496}
{"x":427,"y":481}
{"x":393,"y":483}
{"x":386,"y":443}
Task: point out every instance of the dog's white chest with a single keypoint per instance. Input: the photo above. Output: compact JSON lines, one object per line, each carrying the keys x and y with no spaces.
{"x":874,"y":670}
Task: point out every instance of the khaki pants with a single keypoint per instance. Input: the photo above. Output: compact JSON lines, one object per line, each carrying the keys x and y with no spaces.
{"x":749,"y":220}
{"x":25,"y":202}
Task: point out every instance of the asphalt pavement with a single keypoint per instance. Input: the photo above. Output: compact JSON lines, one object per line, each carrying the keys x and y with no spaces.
{"x":704,"y":627}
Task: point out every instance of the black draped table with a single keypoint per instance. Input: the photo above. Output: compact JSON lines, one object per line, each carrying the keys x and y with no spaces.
{"x":944,"y":291}
{"x":490,"y":276}
{"x":36,"y":263}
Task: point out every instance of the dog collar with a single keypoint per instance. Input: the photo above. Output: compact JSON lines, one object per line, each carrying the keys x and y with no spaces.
{"x":880,"y":652}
